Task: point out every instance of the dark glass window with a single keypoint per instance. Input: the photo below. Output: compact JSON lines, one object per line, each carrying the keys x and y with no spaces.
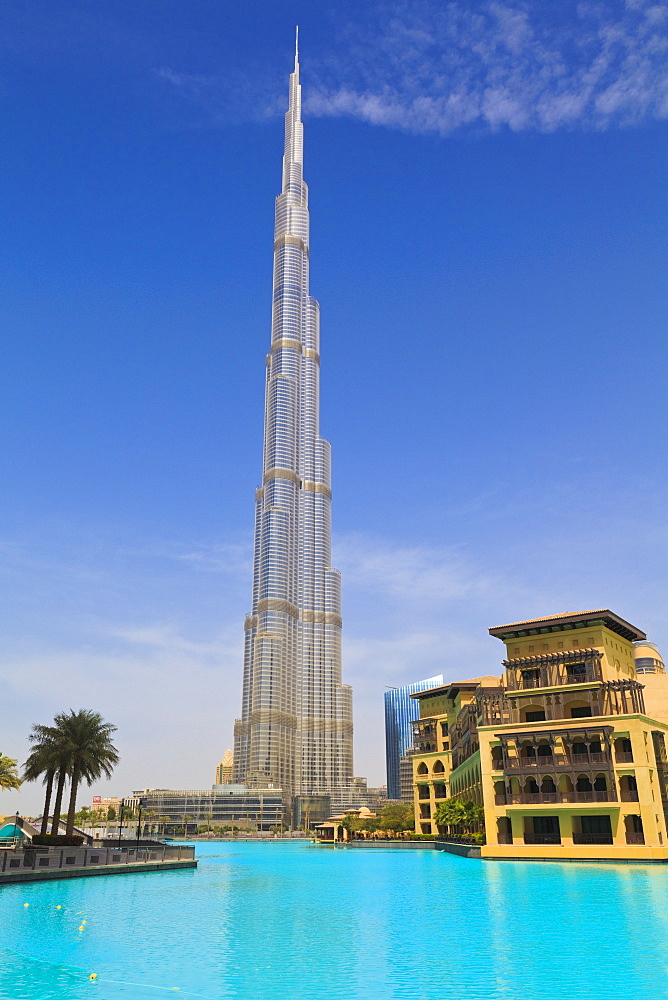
{"x":596,"y":825}
{"x":584,"y":712}
{"x":546,"y":824}
{"x":537,"y":716}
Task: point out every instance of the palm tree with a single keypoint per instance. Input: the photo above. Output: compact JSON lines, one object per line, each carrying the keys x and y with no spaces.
{"x":48,"y":759}
{"x":459,"y":814}
{"x":150,"y":818}
{"x":86,"y":741}
{"x":9,"y":778}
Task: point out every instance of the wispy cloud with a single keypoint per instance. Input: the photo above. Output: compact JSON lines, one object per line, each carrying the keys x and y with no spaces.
{"x":192,"y":83}
{"x":430,"y":67}
{"x":414,"y":574}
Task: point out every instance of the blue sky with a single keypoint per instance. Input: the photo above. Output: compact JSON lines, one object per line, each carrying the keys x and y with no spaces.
{"x":488,"y":210}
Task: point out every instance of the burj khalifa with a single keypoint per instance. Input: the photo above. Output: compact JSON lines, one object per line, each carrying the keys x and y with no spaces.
{"x":295,"y":730}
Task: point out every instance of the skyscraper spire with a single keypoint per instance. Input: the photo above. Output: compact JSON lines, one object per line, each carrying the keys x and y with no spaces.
{"x":297,"y":49}
{"x":295,"y":730}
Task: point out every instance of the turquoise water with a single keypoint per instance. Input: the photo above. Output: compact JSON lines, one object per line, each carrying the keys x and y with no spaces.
{"x":290,"y":920}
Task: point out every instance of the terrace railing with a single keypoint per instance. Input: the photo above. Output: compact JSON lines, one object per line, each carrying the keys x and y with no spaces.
{"x":49,"y":858}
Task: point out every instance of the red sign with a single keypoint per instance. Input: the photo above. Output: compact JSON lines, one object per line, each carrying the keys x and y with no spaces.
{"x":97,"y":798}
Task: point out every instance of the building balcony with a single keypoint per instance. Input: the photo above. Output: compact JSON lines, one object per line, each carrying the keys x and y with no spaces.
{"x":635,"y":838}
{"x":548,"y":762}
{"x":542,"y":838}
{"x":554,"y":670}
{"x":554,"y":798}
{"x":623,"y":757}
{"x":592,"y":838}
{"x":629,"y":795}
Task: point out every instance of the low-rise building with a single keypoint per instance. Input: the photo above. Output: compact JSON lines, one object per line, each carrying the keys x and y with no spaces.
{"x":101,"y":804}
{"x":222,"y":805}
{"x":335,"y":829}
{"x":446,"y":759}
{"x":358,"y":795}
{"x":566,"y":751}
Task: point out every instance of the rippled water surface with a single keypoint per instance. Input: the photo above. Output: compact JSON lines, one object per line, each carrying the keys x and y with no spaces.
{"x":279,"y":920}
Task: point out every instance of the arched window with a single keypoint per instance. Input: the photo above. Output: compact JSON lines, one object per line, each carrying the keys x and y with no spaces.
{"x":583,"y":784}
{"x":578,"y":709}
{"x":634,"y":830}
{"x":422,"y":768}
{"x":533,"y":713}
{"x":547,"y":785}
{"x":504,"y":829}
{"x":438,"y":767}
{"x":628,"y":787}
{"x":600,"y":783}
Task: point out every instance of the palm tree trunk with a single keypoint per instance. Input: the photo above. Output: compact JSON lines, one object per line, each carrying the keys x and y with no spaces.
{"x":73,"y":800}
{"x":47,"y":801}
{"x":62,"y":775}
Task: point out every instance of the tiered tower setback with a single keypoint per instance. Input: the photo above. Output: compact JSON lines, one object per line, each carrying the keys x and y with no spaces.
{"x":295,"y":729}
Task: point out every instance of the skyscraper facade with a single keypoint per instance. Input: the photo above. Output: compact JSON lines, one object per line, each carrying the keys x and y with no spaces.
{"x":295,"y":729}
{"x":400,"y":711}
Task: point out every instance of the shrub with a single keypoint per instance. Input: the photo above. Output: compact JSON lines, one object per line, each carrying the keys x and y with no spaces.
{"x":56,"y":840}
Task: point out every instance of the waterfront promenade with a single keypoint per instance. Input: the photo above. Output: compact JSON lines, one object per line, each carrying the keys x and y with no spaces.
{"x":40,"y":865}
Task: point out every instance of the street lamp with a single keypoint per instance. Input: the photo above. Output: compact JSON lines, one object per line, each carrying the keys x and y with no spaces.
{"x":138,"y":826}
{"x":120,"y":822}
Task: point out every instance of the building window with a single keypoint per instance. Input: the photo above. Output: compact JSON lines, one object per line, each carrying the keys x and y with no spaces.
{"x":593,"y":830}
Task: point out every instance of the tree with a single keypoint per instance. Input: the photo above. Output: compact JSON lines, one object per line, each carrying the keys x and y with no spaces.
{"x":462,"y":814}
{"x":86,"y":742}
{"x":83,"y":816}
{"x":352,"y":823}
{"x":47,"y":760}
{"x":9,"y":777}
{"x":111,"y":814}
{"x":186,"y":818}
{"x":149,"y":821}
{"x":397,"y":817}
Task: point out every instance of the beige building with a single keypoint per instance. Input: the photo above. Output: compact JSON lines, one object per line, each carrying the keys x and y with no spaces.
{"x":224,"y":769}
{"x":566,"y":750}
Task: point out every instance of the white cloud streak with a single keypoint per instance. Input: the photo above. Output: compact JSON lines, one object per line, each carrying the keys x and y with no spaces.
{"x":428,"y":67}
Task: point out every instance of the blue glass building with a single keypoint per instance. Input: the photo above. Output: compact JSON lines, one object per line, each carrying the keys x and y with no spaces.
{"x":400,"y":711}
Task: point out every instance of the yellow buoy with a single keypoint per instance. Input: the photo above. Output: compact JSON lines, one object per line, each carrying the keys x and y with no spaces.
{"x":59,"y":907}
{"x":26,"y":904}
{"x":93,"y":975}
{"x":81,"y":928}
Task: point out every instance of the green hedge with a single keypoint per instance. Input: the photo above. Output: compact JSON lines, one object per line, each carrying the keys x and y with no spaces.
{"x":56,"y":840}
